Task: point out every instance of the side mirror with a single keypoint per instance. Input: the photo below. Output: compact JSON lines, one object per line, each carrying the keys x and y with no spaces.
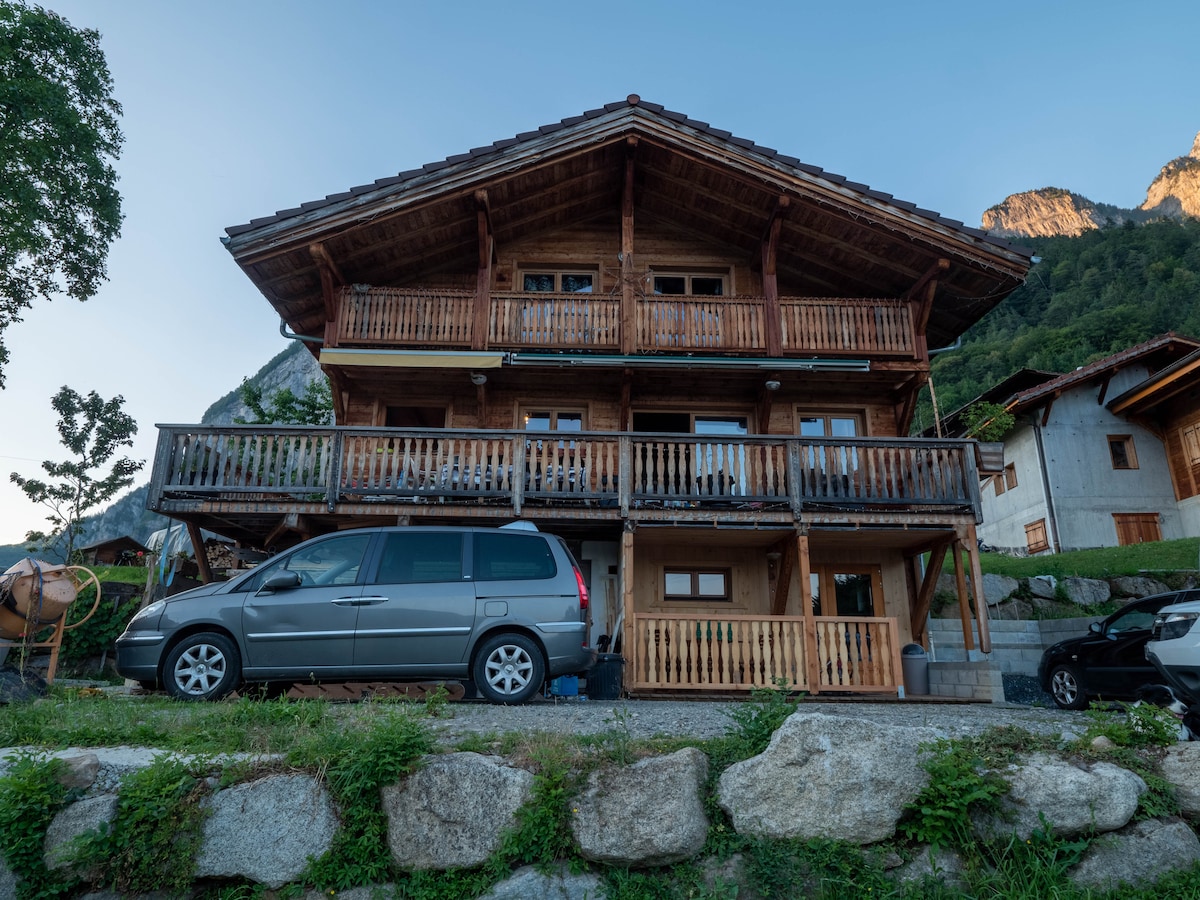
{"x":1094,"y":628}
{"x":283,"y":581}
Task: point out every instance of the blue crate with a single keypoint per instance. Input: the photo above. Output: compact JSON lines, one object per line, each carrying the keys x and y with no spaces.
{"x":565,"y":686}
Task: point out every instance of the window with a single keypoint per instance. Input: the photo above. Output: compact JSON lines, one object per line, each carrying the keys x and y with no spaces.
{"x":560,"y":281}
{"x":847,"y":590}
{"x":698,"y":585}
{"x":817,"y":424}
{"x":1120,"y":448}
{"x":708,"y":285}
{"x":335,"y":561}
{"x":1010,"y":476}
{"x":998,"y":484}
{"x":1035,"y":536}
{"x":415,"y":557}
{"x":553,"y":420}
{"x":513,"y":557}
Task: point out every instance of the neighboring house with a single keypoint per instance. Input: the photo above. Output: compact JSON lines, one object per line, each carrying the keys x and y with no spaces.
{"x":122,"y":550}
{"x":694,"y":358}
{"x":1086,"y":464}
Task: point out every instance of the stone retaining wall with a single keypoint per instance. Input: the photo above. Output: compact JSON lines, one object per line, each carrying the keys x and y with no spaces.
{"x":822,"y":777}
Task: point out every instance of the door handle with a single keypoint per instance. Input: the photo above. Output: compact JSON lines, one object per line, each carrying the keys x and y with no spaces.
{"x":349,"y":601}
{"x":371,"y":601}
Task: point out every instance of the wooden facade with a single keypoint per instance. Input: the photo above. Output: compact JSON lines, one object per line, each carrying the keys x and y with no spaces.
{"x":693,"y":358}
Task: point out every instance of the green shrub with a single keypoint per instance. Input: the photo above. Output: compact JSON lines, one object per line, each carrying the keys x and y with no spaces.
{"x":30,"y":796}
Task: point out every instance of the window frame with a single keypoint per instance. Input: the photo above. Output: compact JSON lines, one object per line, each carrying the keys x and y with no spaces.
{"x":1010,"y":476}
{"x":824,"y":575}
{"x":557,"y":273}
{"x":687,"y":275}
{"x":1125,"y":441}
{"x":695,"y":572}
{"x":858,"y":416}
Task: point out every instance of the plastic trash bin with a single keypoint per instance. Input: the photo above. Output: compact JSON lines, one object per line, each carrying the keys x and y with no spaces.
{"x":915,"y":663}
{"x":605,"y":679}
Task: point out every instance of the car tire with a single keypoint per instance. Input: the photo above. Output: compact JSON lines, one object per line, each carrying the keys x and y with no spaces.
{"x":509,"y":668}
{"x":1067,"y":689}
{"x":204,"y":666}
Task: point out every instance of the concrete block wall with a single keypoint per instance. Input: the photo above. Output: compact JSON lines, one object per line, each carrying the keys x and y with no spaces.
{"x":978,"y":680}
{"x":1017,"y":645}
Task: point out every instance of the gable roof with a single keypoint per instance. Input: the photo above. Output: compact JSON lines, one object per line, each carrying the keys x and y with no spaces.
{"x":1161,"y":387}
{"x":838,"y":238}
{"x":1029,"y":389}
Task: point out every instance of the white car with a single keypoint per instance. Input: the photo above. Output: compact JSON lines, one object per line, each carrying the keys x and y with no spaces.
{"x":1174,"y":647}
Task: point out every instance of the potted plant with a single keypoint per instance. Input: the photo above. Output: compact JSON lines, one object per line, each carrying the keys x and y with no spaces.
{"x":988,"y":423}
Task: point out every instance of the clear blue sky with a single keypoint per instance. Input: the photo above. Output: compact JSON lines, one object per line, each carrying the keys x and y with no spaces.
{"x":237,"y":108}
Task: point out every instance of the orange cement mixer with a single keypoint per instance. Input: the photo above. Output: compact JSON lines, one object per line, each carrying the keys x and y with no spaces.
{"x":35,"y":595}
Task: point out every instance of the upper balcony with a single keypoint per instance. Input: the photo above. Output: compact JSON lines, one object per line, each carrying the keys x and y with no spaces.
{"x":223,"y":474}
{"x":582,"y":322}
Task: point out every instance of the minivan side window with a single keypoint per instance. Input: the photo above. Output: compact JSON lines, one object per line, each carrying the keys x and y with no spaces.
{"x":335,"y":561}
{"x":512,"y":557}
{"x":416,"y":557}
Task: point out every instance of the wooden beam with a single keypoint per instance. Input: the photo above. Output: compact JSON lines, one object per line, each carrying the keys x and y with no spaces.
{"x":964,"y":603}
{"x":628,"y":636}
{"x":783,"y":578}
{"x":981,"y":607}
{"x":200,"y":551}
{"x":928,"y":588}
{"x":628,"y":297}
{"x":627,"y":400}
{"x":811,"y":666}
{"x":483,"y":278}
{"x":770,"y":279}
{"x":331,"y":279}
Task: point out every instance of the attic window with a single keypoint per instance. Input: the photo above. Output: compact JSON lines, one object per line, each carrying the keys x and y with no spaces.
{"x":564,"y":282}
{"x":695,"y":285}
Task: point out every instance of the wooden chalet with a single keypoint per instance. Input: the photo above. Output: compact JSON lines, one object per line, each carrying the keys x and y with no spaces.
{"x":693,"y":357}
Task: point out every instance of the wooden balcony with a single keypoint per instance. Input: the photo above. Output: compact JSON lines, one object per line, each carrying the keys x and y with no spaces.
{"x":617,"y":472}
{"x":409,"y":317}
{"x":705,"y":652}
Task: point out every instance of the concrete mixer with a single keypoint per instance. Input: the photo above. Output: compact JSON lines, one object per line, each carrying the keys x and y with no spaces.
{"x":35,"y":597}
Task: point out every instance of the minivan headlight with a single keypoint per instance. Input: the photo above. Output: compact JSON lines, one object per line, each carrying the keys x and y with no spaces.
{"x":1175,"y":625}
{"x":151,"y":611}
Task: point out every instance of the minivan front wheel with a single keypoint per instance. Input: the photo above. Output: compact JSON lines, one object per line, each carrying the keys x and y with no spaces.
{"x":509,"y":668}
{"x":204,"y":666}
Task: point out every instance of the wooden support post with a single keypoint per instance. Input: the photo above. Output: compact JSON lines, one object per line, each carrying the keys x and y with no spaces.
{"x":926,"y":590}
{"x":964,"y":607}
{"x":629,"y":648}
{"x":628,"y":297}
{"x":811,"y":663}
{"x":483,"y":278}
{"x":201,"y":552}
{"x":770,"y":254}
{"x":981,"y":607}
{"x":783,"y":578}
{"x":331,"y":281}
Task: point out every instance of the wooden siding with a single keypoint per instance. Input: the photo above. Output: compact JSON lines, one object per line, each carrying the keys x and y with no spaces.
{"x":709,"y":651}
{"x":610,"y":469}
{"x":440,"y":318}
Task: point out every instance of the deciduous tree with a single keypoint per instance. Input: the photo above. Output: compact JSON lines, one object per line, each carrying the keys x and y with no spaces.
{"x":59,"y":135}
{"x":93,"y":430}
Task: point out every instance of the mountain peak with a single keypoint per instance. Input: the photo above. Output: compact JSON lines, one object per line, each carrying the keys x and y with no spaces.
{"x":1047,"y":212}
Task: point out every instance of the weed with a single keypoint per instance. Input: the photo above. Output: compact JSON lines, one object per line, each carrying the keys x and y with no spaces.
{"x":356,"y":765}
{"x":30,"y":795}
{"x":960,"y":783}
{"x":153,"y":841}
{"x":1137,"y":725}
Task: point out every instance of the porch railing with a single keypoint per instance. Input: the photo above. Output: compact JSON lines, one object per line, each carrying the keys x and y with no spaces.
{"x":625,"y":470}
{"x":417,"y":317}
{"x":718,"y":653}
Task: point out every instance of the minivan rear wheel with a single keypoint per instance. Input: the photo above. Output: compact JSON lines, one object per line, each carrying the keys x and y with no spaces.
{"x":509,"y":668}
{"x":204,"y":666}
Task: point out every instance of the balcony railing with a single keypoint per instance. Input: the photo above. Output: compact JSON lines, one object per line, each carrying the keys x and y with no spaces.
{"x":621,"y":470}
{"x":410,"y":317}
{"x":713,"y":652}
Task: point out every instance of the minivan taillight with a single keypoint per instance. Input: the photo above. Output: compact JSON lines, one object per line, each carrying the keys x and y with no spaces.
{"x":583,"y":591}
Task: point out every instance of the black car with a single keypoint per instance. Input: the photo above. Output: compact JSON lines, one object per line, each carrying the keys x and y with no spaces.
{"x":1109,"y":661}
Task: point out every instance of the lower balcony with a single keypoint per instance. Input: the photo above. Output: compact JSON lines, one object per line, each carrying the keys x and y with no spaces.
{"x":611,"y":474}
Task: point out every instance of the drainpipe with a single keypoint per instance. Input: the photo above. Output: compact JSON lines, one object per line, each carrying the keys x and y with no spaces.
{"x":1050,"y":514}
{"x":307,"y":338}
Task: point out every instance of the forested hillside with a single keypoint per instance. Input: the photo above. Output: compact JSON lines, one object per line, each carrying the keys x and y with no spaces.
{"x":1090,"y":296}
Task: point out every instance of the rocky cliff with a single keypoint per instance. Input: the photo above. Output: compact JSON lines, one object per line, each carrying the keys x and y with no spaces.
{"x":1051,"y":211}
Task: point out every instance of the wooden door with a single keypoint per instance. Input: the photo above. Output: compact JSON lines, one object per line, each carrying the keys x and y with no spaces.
{"x":1137,"y":528}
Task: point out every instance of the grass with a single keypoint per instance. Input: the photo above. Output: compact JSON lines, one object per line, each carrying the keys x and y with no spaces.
{"x":1159,"y":558}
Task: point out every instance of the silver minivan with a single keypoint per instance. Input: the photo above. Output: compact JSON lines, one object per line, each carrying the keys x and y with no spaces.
{"x":505,"y":608}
